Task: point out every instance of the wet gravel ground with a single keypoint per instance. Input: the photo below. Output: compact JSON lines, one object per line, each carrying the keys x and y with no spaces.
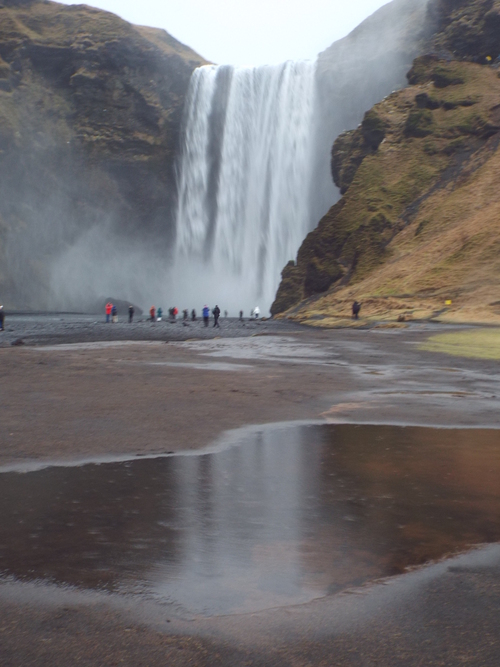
{"x":71,"y":402}
{"x":50,"y":329}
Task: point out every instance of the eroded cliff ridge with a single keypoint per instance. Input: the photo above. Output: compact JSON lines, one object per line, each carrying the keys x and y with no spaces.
{"x":90,"y":113}
{"x":417,"y":230}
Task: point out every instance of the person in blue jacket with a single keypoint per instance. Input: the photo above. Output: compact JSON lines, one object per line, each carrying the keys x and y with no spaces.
{"x":206,"y":315}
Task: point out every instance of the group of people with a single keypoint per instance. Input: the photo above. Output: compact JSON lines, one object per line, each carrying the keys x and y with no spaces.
{"x":111,"y":312}
{"x":156,"y":314}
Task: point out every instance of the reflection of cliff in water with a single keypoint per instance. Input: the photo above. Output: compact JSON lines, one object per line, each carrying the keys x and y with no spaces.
{"x":288,"y":515}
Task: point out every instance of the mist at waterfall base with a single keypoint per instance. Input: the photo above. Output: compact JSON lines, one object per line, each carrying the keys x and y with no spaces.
{"x":244,"y":182}
{"x":253,"y":178}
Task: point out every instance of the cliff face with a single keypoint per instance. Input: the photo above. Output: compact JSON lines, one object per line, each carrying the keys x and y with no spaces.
{"x":90,"y":113}
{"x":418,"y":219}
{"x":358,"y":71}
{"x":467,"y":29}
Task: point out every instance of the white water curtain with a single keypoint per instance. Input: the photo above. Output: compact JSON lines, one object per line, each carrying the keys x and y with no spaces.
{"x":244,"y":181}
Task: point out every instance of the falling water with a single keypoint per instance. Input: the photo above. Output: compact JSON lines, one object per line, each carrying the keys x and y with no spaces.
{"x":244,"y":181}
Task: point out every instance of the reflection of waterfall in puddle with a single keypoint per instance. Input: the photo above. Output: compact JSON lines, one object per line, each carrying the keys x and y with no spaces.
{"x":291,"y":514}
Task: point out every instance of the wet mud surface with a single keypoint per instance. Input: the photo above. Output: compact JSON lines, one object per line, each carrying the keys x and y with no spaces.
{"x":163,"y":541}
{"x":284,"y":516}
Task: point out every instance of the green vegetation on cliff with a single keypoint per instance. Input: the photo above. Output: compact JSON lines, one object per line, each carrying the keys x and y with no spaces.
{"x":467,"y":29}
{"x":384,"y":241}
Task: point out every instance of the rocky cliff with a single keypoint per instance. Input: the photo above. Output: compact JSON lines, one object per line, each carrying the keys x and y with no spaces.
{"x":416,"y":231}
{"x":90,"y":114}
{"x":355,"y":73}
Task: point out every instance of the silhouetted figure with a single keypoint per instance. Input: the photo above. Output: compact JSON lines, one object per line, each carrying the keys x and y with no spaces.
{"x":356,"y":307}
{"x":225,"y":314}
{"x":114,"y":315}
{"x":206,"y":315}
{"x":131,"y":312}
{"x":193,"y":315}
{"x":159,"y":314}
{"x":241,"y":316}
{"x":216,"y":313}
{"x":185,"y":315}
{"x":152,"y":313}
{"x":2,"y":318}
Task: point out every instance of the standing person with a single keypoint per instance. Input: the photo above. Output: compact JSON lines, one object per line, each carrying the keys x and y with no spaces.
{"x":175,"y":312}
{"x":356,"y":307}
{"x":131,"y":312}
{"x":225,"y":314}
{"x":159,"y":314}
{"x":241,"y":316}
{"x":256,"y":312}
{"x":206,"y":315}
{"x":114,"y":314}
{"x":193,"y":315}
{"x":216,"y":312}
{"x":2,"y":318}
{"x":185,"y":314}
{"x":152,"y":313}
{"x":109,"y":308}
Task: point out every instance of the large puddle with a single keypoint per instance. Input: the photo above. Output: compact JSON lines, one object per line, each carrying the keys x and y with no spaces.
{"x":288,"y":515}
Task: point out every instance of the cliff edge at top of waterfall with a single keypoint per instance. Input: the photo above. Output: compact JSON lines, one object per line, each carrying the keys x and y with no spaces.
{"x":416,"y":233}
{"x":90,"y":117}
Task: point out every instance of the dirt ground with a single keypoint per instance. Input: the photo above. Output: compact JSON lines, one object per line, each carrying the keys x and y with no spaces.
{"x":90,"y":400}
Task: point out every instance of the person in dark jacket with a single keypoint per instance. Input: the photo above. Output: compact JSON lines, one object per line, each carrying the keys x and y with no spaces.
{"x":193,"y":315}
{"x":114,"y":314}
{"x":356,"y":307}
{"x":216,"y":314}
{"x":131,"y":312}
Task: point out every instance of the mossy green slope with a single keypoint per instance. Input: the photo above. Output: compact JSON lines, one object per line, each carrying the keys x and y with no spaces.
{"x":475,"y":344}
{"x":435,"y":137}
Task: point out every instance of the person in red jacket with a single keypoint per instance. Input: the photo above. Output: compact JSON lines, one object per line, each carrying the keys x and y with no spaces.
{"x":152,"y":313}
{"x":109,"y":308}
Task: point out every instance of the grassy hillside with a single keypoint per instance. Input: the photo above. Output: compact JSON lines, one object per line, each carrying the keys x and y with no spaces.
{"x":90,"y":115}
{"x":419,"y":223}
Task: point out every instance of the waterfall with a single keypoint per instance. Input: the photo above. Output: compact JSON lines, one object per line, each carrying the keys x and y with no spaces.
{"x":244,"y":182}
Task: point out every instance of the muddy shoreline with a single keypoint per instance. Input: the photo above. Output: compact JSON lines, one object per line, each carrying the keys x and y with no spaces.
{"x":158,"y":396}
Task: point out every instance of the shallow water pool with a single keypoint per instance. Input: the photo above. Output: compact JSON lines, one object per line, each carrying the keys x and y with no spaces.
{"x":283,"y":516}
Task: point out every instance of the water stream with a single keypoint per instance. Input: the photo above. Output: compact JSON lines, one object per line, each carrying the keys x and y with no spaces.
{"x":244,"y":181}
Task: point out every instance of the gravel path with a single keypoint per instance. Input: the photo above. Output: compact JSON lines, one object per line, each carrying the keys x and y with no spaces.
{"x":50,"y":329}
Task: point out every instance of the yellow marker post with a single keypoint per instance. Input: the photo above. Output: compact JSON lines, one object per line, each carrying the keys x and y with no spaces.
{"x":448,"y":303}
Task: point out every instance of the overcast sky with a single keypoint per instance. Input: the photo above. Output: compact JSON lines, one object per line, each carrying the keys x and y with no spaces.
{"x":247,"y":32}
